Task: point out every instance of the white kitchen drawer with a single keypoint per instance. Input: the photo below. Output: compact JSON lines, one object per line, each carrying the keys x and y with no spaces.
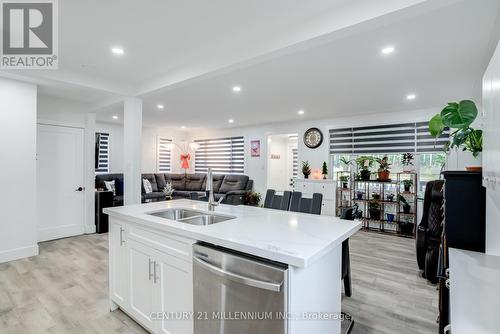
{"x":172,"y":245}
{"x":305,"y":187}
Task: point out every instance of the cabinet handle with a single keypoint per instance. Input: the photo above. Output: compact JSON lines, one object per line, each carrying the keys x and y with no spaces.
{"x":122,"y":241}
{"x":154,"y":275}
{"x":149,"y":268}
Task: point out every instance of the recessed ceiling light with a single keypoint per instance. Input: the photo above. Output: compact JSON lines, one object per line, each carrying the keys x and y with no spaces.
{"x":237,"y":89}
{"x":230,"y":120}
{"x":115,"y":117}
{"x":388,"y":50}
{"x":117,"y":51}
{"x":160,"y":106}
{"x":411,"y":97}
{"x":183,"y":127}
{"x":301,"y":112}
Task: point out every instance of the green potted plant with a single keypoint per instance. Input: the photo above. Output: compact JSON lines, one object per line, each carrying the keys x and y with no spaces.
{"x":383,"y":169}
{"x":346,"y":163}
{"x":364,"y":163}
{"x":407,"y":185}
{"x":459,"y":117}
{"x":376,"y":196}
{"x":407,"y":162}
{"x":252,"y":198}
{"x":374,"y":210}
{"x":404,"y":203}
{"x":306,"y":169}
{"x":390,"y":197}
{"x":344,"y":179}
{"x":324,"y":170}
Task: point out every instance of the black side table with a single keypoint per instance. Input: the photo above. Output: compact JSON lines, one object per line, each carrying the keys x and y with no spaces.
{"x":103,"y":199}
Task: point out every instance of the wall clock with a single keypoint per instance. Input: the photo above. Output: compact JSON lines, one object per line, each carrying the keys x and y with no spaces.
{"x":313,"y":138}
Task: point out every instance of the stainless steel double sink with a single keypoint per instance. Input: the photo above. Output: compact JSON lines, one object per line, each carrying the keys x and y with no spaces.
{"x":193,"y":217}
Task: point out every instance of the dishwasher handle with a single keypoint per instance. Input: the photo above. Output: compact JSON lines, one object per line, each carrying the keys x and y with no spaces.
{"x":276,"y":287}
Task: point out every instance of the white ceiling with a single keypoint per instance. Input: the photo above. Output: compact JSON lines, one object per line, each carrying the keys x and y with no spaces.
{"x":322,"y":56}
{"x":440,"y":56}
{"x":169,"y":41}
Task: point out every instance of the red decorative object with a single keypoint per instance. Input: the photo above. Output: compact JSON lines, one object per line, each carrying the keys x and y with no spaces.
{"x":185,"y":160}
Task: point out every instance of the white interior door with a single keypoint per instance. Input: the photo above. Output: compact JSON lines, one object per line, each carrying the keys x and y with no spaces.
{"x":60,"y":181}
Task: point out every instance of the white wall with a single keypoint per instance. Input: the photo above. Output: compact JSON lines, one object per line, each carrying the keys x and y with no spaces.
{"x":256,"y":168}
{"x":60,"y":111}
{"x":149,"y":138}
{"x":18,"y":170}
{"x":491,"y":152}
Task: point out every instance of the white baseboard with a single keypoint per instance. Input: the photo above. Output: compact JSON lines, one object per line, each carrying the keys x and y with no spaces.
{"x":58,"y":232}
{"x":90,"y":229}
{"x":18,"y":253}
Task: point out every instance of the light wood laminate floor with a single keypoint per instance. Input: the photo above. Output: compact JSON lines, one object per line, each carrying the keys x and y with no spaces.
{"x":64,"y":289}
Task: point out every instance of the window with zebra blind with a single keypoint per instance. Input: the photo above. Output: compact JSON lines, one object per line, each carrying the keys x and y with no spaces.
{"x":164,"y":155}
{"x":223,"y":155}
{"x":391,"y":138}
{"x":295,"y":162}
{"x":101,"y":152}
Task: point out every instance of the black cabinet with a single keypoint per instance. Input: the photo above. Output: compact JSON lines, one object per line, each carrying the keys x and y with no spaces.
{"x":103,"y":199}
{"x":464,"y":226}
{"x":465,"y":211}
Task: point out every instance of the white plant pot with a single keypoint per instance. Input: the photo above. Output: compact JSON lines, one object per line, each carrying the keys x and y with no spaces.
{"x":408,"y":169}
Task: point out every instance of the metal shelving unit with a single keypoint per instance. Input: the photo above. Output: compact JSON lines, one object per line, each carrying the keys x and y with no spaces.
{"x":392,"y":219}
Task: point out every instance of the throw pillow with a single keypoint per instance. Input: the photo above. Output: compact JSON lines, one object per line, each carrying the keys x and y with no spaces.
{"x":148,"y":189}
{"x":119,"y":187}
{"x":110,"y":186}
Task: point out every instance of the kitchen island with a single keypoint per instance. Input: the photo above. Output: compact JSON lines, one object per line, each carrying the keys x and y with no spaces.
{"x":151,"y":263}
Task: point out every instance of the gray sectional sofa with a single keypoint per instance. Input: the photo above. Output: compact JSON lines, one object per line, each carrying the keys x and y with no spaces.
{"x":233,"y":187}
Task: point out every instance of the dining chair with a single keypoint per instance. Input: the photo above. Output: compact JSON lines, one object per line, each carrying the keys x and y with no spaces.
{"x":278,"y":202}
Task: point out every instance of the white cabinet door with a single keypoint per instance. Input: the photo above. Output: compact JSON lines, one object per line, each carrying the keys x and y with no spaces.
{"x":174,"y":294}
{"x":327,"y":189}
{"x":328,"y":207}
{"x":141,"y":283}
{"x":306,"y":188}
{"x":118,"y":264}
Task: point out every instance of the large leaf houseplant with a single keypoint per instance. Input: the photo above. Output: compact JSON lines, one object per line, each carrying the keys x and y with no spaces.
{"x":458,"y":117}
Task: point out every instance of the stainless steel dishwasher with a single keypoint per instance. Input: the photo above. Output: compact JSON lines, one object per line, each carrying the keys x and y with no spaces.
{"x":237,"y":294}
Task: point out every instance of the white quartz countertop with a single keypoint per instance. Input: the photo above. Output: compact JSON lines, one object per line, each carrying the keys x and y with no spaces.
{"x":474,"y":292}
{"x":293,"y":238}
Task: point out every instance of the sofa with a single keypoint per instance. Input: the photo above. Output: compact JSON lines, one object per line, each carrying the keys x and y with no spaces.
{"x":232,"y":187}
{"x":191,"y":186}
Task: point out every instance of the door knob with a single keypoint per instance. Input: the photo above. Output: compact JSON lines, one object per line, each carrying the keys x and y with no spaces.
{"x":80,"y":189}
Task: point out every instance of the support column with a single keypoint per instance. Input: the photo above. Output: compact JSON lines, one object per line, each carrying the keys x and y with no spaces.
{"x":132,"y":140}
{"x":90,"y":173}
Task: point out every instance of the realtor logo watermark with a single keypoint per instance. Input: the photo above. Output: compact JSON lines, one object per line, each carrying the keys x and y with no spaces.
{"x":29,"y":34}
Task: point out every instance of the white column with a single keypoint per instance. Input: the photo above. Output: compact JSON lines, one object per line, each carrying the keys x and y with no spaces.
{"x":90,"y":173}
{"x":132,"y":142}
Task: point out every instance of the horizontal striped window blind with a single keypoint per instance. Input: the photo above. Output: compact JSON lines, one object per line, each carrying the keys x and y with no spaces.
{"x":295,"y":157}
{"x":391,"y":138}
{"x":164,"y":158}
{"x":426,"y":143}
{"x":223,"y":155}
{"x":102,"y":152}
